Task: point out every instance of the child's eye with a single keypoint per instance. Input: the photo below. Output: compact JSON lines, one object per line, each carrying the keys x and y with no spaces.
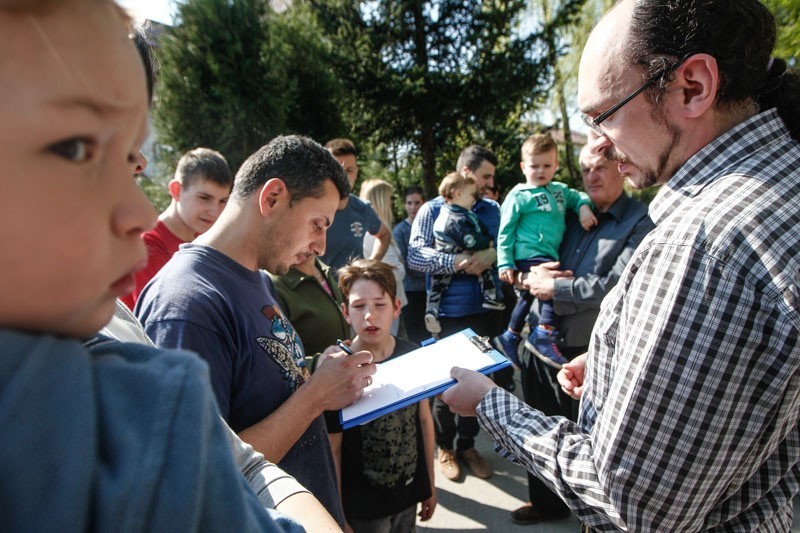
{"x":76,"y":150}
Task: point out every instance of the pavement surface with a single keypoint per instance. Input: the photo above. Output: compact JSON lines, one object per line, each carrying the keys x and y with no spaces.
{"x":473,"y":504}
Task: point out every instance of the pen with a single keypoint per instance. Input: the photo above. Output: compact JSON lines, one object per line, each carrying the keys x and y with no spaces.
{"x":345,"y":348}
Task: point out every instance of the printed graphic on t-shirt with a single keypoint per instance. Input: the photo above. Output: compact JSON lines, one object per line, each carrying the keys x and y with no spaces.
{"x":389,"y":448}
{"x":357,"y":229}
{"x":283,"y":346}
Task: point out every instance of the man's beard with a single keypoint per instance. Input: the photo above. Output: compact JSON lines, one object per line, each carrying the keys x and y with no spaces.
{"x":659,"y":175}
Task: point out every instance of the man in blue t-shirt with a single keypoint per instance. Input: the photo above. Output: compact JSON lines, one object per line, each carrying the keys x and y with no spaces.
{"x":213,"y":298}
{"x":354,"y":217}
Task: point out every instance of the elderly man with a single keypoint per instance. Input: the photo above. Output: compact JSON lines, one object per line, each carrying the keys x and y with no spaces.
{"x":691,"y":401}
{"x":591,"y":263}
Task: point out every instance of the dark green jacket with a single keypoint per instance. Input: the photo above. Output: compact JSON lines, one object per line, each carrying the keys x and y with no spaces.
{"x":311,"y":310}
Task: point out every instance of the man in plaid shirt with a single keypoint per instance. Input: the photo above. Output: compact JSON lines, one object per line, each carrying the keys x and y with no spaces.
{"x":691,"y":391}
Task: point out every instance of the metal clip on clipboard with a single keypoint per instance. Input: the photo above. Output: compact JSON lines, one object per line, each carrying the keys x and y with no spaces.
{"x":482,"y":343}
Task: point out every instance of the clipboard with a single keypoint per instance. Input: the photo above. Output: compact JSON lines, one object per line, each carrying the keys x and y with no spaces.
{"x":420,"y":374}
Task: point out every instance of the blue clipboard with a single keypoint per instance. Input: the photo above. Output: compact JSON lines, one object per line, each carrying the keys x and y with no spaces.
{"x":420,"y":374}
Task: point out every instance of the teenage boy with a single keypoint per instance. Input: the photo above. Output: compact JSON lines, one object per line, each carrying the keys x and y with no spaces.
{"x":385,"y":466}
{"x":199,"y":191}
{"x":125,"y":437}
{"x":354,"y":217}
{"x":214,"y":298}
{"x":532,"y":225}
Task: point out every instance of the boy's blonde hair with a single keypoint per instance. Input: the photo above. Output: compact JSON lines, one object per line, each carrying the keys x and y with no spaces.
{"x":454,"y":182}
{"x":370,"y":270}
{"x":538,"y":143}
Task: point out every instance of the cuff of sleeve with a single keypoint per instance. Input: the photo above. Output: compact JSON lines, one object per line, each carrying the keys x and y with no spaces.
{"x":494,"y":413}
{"x":279,"y":488}
{"x":562,"y":297}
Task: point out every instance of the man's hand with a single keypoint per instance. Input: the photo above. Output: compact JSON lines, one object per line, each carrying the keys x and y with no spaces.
{"x":541,"y":280}
{"x":587,"y":218}
{"x":340,"y":379}
{"x":463,"y":397}
{"x":476,"y":262}
{"x":571,"y":375}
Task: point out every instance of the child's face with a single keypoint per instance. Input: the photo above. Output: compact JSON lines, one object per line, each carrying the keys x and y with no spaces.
{"x":73,"y":107}
{"x":370,"y":310}
{"x":413,"y":203}
{"x":200,"y":202}
{"x":465,"y":197}
{"x":539,"y":169}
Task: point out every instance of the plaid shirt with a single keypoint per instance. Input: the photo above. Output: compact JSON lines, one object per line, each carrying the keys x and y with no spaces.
{"x":689,"y":419}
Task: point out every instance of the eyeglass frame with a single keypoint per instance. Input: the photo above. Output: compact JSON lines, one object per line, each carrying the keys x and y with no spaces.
{"x":594,"y":123}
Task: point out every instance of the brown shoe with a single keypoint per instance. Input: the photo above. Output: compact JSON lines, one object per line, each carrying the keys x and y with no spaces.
{"x":476,"y":463}
{"x":448,"y":464}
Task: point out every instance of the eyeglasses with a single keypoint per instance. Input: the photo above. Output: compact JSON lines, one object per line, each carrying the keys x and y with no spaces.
{"x":594,"y":123}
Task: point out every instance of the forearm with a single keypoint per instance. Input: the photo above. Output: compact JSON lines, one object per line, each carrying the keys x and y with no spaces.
{"x":270,"y":483}
{"x":275,"y":435}
{"x":428,"y":259}
{"x":309,"y":512}
{"x":383,"y":238}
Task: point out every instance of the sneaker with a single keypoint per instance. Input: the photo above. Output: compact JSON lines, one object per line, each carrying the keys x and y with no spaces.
{"x":528,"y":514}
{"x":494,"y":304}
{"x":432,"y":323}
{"x":507,"y":343}
{"x":476,"y":463}
{"x":542,"y":343}
{"x":448,"y":464}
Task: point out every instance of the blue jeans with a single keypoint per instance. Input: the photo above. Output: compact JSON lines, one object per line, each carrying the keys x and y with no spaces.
{"x":522,"y":311}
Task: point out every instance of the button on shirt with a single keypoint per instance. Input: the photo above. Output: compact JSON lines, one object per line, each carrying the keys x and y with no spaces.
{"x":689,"y":418}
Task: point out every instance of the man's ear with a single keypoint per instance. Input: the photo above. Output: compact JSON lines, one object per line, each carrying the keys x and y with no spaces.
{"x":273,"y":193}
{"x":175,"y":188}
{"x":698,"y":78}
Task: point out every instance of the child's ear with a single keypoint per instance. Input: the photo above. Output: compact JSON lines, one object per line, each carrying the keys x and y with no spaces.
{"x":175,"y":188}
{"x":396,"y":312}
{"x":343,"y":306}
{"x":522,"y":165}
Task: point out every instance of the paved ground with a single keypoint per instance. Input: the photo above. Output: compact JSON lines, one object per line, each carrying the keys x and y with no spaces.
{"x":484,"y":505}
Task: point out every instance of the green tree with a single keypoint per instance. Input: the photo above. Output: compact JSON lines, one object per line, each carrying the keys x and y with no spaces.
{"x":428,"y":74}
{"x":234,"y":74}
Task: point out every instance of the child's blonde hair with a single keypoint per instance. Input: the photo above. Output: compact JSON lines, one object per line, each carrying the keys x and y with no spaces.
{"x":370,"y":270}
{"x":454,"y":182}
{"x":538,"y":143}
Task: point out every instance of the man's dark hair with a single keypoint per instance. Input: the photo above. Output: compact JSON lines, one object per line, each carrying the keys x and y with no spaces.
{"x":339,"y":147}
{"x":413,"y":189}
{"x":739,"y":34}
{"x":472,"y":157}
{"x":302,"y":164}
{"x":140,"y":40}
{"x":203,"y":164}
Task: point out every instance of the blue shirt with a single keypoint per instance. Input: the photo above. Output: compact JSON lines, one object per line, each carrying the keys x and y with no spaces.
{"x":207,"y":302}
{"x":345,"y":239}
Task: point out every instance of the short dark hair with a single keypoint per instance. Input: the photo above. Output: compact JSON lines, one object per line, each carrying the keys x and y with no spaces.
{"x":413,"y":189}
{"x":302,"y":164}
{"x":203,"y":164}
{"x":145,"y":49}
{"x":739,"y":34}
{"x":538,"y":143}
{"x":339,"y":147}
{"x":370,"y":270}
{"x":472,"y":157}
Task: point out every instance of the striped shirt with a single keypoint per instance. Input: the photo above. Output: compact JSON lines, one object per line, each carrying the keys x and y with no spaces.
{"x":689,"y":419}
